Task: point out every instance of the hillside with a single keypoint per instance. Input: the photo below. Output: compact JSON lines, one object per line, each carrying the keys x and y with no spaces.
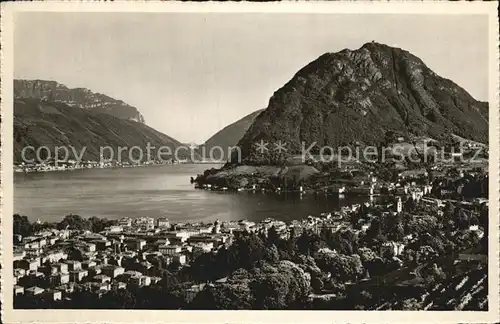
{"x":358,"y":96}
{"x":40,"y":123}
{"x":228,"y":136}
{"x":79,"y":97}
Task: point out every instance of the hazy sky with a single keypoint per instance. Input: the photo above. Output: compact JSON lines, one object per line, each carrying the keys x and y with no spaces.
{"x":192,"y":74}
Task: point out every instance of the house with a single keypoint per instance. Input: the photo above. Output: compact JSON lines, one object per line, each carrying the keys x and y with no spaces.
{"x":78,"y":275}
{"x":179,"y":258}
{"x":115,"y":229}
{"x":34,"y":291}
{"x":472,"y":257}
{"x":94,"y":271}
{"x":361,"y":190}
{"x":42,"y":242}
{"x":33,"y":252}
{"x":136,"y":244}
{"x":88,"y":264}
{"x":169,"y":249}
{"x":62,"y":267}
{"x":100,"y":287}
{"x":204,"y":246}
{"x":392,"y":247}
{"x":112,"y":271}
{"x":474,"y":228}
{"x":125,"y":222}
{"x":155,"y":280}
{"x":19,"y":255}
{"x":191,"y":292}
{"x":90,"y":247}
{"x":119,"y":285}
{"x":18,"y":290}
{"x":101,"y":244}
{"x":31,"y":265}
{"x":140,"y":281}
{"x":74,"y":265}
{"x":19,"y":272}
{"x":163,"y":222}
{"x":53,"y":294}
{"x":101,"y":278}
{"x":63,"y":278}
{"x":365,"y":227}
{"x":54,"y":256}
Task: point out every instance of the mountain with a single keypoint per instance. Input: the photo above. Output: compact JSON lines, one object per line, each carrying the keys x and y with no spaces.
{"x":228,"y":136}
{"x":78,"y":97}
{"x":362,"y":96}
{"x":41,"y":123}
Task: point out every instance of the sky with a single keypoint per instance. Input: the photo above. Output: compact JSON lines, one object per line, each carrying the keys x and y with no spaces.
{"x":191,"y":74}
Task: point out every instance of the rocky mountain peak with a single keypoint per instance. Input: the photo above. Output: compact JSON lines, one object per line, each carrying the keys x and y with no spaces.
{"x":358,"y":95}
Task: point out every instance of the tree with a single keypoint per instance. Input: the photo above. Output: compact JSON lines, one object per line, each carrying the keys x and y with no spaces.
{"x":75,"y":254}
{"x":271,"y":254}
{"x":272,"y":235}
{"x":411,"y":304}
{"x":118,"y":298}
{"x":74,"y":222}
{"x":342,"y":267}
{"x":225,"y":296}
{"x":22,"y":225}
{"x":409,"y":205}
{"x":99,"y":224}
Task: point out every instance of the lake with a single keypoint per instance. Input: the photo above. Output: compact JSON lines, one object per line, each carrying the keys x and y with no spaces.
{"x":154,"y":191}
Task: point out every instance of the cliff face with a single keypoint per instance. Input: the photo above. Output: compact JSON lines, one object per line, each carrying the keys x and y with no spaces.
{"x":229,"y":135}
{"x":78,"y":97}
{"x":358,"y":95}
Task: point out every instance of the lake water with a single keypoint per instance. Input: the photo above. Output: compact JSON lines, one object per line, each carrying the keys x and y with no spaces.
{"x":153,"y":191}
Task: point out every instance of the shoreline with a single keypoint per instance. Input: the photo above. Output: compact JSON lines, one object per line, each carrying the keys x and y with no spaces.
{"x":51,"y":168}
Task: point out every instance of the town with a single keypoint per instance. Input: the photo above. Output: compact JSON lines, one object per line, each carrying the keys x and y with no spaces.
{"x":414,"y":222}
{"x":71,"y":165}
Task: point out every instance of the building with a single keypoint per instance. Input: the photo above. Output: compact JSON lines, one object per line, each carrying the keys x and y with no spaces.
{"x":63,"y":278}
{"x":140,"y":281}
{"x":102,"y":244}
{"x":62,"y":267}
{"x":18,"y":290}
{"x":74,"y":265}
{"x":169,"y":249}
{"x":136,"y":244}
{"x":19,"y":255}
{"x":101,"y":278}
{"x":34,"y":291}
{"x":88,"y":264}
{"x":112,"y":271}
{"x":179,"y":258}
{"x":125,"y":222}
{"x":191,"y":292}
{"x":145,"y":223}
{"x":54,"y":256}
{"x":53,"y":294}
{"x":163,"y":223}
{"x":393,"y":248}
{"x":31,"y":265}
{"x":399,"y":205}
{"x":78,"y":275}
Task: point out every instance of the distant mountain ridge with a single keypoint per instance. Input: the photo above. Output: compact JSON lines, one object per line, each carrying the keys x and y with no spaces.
{"x":229,"y":135}
{"x":40,"y":123}
{"x":358,"y":96}
{"x":53,"y":91}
